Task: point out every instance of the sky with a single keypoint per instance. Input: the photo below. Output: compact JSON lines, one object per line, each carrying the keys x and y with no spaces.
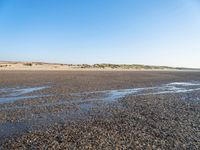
{"x":156,"y":32}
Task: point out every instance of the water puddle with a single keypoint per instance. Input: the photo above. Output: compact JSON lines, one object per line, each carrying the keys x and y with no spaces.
{"x":97,"y":96}
{"x":86,"y":101}
{"x":14,"y":94}
{"x":185,"y":83}
{"x":114,"y":95}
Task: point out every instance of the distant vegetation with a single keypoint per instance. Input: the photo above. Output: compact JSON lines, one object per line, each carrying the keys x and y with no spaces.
{"x":4,"y":65}
{"x":28,"y":64}
{"x":124,"y":66}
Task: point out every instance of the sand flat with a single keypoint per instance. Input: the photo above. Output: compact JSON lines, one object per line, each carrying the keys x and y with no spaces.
{"x":100,"y":109}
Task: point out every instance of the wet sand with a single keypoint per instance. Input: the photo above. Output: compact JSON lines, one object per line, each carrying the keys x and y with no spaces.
{"x":99,"y":110}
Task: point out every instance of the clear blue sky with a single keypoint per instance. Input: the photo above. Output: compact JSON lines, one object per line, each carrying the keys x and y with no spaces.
{"x":154,"y":32}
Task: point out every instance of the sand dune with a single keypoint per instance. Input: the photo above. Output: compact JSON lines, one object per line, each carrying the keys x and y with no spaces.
{"x":6,"y":65}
